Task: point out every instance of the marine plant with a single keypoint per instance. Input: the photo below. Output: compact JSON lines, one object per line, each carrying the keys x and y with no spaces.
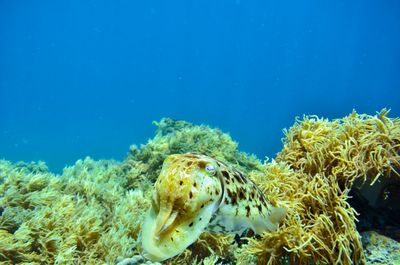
{"x":312,"y":176}
{"x":355,"y":147}
{"x":83,"y":216}
{"x":177,"y":137}
{"x":93,"y":212}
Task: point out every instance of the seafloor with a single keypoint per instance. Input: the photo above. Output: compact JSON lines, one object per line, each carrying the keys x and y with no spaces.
{"x":339,"y":181}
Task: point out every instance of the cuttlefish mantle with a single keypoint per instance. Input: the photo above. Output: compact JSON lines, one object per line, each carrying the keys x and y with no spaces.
{"x":194,"y":193}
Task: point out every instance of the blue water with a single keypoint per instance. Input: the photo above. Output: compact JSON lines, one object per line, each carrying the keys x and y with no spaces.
{"x":82,"y":78}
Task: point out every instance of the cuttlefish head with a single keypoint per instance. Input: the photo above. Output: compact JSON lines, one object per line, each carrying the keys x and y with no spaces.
{"x":186,"y":194}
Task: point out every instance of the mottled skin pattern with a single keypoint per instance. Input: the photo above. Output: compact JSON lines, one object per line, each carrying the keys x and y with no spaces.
{"x":243,"y":203}
{"x":178,"y":191}
{"x":195,"y":192}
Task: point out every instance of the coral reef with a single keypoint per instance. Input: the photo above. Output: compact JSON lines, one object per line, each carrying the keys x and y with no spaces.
{"x":92,"y":213}
{"x":319,"y":225}
{"x":355,"y":147}
{"x":312,"y":176}
{"x":380,"y":249}
{"x":178,"y":137}
{"x":83,"y":216}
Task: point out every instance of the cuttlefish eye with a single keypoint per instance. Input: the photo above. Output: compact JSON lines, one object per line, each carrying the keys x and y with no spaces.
{"x":210,"y":168}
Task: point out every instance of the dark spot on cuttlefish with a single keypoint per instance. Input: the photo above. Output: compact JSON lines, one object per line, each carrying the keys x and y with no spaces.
{"x":224,"y":199}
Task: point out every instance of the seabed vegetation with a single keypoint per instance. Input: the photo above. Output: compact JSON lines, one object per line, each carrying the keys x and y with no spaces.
{"x":92,"y":213}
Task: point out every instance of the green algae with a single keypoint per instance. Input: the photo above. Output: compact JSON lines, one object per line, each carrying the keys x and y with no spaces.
{"x":92,"y":212}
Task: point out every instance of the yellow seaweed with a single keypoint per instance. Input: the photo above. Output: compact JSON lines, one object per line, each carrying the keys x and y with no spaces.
{"x":92,"y":213}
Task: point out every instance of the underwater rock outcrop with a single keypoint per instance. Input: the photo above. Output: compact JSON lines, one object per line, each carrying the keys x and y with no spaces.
{"x":380,"y":249}
{"x":93,"y":212}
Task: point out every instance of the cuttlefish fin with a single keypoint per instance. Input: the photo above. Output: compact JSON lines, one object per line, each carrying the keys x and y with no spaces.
{"x":275,"y":218}
{"x":277,"y":215}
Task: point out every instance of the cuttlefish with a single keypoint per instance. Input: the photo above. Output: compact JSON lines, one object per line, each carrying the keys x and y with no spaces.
{"x":194,"y":193}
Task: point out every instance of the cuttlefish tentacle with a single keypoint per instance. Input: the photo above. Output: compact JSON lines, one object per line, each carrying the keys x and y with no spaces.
{"x":194,"y":193}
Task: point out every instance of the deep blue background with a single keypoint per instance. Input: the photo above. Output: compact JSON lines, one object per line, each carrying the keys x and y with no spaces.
{"x":84,"y":78}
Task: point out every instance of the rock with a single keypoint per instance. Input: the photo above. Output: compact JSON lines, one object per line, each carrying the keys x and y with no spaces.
{"x":379,"y":249}
{"x":135,"y":260}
